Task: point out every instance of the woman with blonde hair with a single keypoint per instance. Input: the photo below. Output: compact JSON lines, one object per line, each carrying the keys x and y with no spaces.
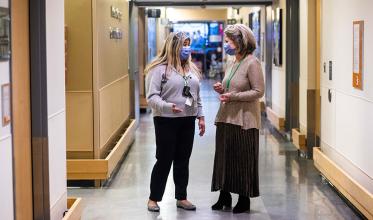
{"x":238,"y":122}
{"x":174,"y":96}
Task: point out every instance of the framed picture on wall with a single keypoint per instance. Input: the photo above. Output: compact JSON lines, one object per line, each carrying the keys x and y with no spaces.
{"x":358,"y":55}
{"x":5,"y":107}
{"x":277,"y":37}
{"x":254,"y":24}
{"x":4,"y":34}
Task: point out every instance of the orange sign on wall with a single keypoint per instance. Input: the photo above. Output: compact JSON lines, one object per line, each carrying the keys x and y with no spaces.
{"x":357,"y":74}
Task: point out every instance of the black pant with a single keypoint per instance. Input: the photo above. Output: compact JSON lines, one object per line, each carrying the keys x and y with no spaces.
{"x":174,"y":140}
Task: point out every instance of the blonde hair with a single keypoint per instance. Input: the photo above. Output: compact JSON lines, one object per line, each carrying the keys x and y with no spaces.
{"x":243,"y":38}
{"x":170,"y":55}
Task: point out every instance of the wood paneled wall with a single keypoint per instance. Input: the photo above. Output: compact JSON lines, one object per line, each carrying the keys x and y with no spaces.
{"x":21,"y":109}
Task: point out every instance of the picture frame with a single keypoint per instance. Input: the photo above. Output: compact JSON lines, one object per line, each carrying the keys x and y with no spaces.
{"x":5,"y":104}
{"x":254,"y":25}
{"x":358,"y":54}
{"x":4,"y":34}
{"x":277,"y":37}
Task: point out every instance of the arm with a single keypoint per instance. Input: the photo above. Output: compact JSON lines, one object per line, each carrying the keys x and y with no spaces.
{"x":200,"y":116}
{"x":153,"y":97}
{"x":199,"y":104}
{"x":255,"y":76}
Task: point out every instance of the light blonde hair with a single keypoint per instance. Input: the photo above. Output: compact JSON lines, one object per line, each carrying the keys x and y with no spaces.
{"x":170,"y":55}
{"x":243,"y":38}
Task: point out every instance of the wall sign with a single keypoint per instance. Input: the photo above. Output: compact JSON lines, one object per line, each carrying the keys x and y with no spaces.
{"x":116,"y":33}
{"x":231,"y":21}
{"x":254,"y":24}
{"x":153,"y":13}
{"x":5,"y":108}
{"x":358,"y":55}
{"x":116,"y":13}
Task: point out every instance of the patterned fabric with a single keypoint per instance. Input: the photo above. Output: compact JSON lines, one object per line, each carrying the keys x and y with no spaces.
{"x":236,"y":160}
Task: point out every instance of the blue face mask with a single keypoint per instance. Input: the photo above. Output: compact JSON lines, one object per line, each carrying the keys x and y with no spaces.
{"x":185,"y":53}
{"x":229,"y":50}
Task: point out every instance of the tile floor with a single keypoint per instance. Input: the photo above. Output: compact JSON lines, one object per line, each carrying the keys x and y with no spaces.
{"x":291,"y":187}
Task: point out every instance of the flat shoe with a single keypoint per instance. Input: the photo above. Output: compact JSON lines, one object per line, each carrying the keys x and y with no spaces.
{"x":190,"y":207}
{"x":153,"y":208}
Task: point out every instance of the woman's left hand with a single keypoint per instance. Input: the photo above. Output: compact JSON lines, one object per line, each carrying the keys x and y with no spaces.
{"x":225,"y":97}
{"x":201,"y":125}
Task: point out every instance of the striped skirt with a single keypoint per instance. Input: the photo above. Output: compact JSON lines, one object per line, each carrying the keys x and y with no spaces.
{"x":236,"y":160}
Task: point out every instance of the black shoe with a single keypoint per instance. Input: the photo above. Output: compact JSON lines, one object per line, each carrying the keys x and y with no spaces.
{"x":242,"y":205}
{"x":225,"y":199}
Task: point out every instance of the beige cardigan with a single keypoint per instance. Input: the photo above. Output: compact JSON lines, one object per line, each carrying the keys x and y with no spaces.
{"x":246,"y":88}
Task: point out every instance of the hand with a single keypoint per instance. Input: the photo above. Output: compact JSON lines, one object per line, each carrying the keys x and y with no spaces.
{"x":176,"y":109}
{"x":218,"y":87}
{"x":201,"y":125}
{"x":225,"y":97}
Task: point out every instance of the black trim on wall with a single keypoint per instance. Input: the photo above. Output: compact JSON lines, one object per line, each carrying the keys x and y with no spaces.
{"x":39,"y":110}
{"x":292,"y":65}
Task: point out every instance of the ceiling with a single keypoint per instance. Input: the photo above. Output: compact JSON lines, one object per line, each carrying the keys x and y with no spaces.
{"x":200,"y":2}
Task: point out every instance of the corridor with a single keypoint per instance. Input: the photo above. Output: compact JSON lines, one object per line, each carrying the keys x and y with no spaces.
{"x":291,"y":187}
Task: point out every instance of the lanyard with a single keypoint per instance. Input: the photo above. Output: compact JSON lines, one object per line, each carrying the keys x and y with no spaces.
{"x":232,"y":74}
{"x":186,"y":79}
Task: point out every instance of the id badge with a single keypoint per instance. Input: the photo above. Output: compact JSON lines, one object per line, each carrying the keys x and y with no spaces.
{"x":189,"y":101}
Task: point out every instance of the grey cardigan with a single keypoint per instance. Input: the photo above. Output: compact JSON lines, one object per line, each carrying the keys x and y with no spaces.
{"x":161,"y":103}
{"x":246,"y":88}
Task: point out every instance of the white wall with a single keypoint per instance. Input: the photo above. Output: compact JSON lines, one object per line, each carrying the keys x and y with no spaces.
{"x":346,"y":126}
{"x":56,"y":107}
{"x":303,"y":63}
{"x":279,"y":73}
{"x":307,"y":51}
{"x":6,"y":167}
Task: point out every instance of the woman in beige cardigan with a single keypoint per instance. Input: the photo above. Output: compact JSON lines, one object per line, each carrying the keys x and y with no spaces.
{"x":238,"y":122}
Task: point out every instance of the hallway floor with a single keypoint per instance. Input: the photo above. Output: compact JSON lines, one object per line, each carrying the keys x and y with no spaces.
{"x":290,"y":186}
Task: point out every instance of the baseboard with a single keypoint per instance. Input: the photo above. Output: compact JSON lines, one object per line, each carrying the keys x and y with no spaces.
{"x":101,"y":169}
{"x":299,"y":139}
{"x":143,"y":102}
{"x":344,"y":183}
{"x":277,"y":121}
{"x":75,"y":209}
{"x":57,"y":209}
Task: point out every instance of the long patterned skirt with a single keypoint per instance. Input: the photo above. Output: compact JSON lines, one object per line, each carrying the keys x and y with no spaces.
{"x":236,"y":160}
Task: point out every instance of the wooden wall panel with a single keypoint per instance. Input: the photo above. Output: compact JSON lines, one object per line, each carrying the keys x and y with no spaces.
{"x":360,"y":197}
{"x":114,"y":108}
{"x":79,"y":121}
{"x":21,"y":109}
{"x":112,"y":55}
{"x":78,"y":21}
